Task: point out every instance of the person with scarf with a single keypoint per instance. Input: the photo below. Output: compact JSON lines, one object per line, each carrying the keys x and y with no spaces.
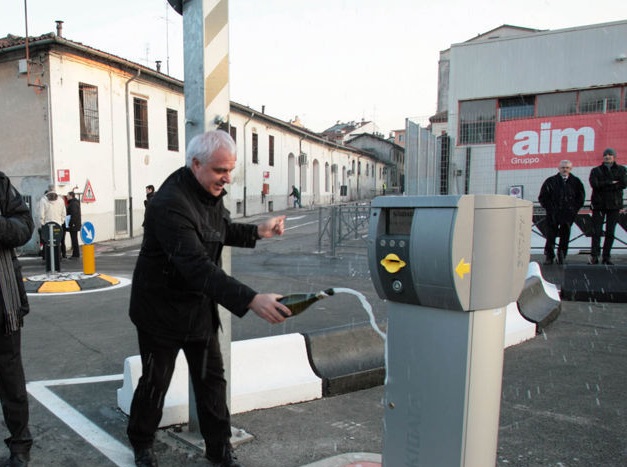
{"x":16,"y":228}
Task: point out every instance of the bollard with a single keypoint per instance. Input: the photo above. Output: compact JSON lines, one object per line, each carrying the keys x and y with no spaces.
{"x":89,"y":259}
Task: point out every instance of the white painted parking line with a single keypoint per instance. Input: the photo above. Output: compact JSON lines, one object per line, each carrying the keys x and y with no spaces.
{"x":301,"y":225}
{"x":118,"y":453}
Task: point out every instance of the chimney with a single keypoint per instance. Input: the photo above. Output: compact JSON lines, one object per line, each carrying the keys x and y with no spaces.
{"x":59,"y":28}
{"x":263,"y":109}
{"x":158,"y":63}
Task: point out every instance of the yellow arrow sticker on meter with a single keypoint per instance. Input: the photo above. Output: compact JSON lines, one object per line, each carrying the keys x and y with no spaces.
{"x":462,"y":268}
{"x":392,"y":263}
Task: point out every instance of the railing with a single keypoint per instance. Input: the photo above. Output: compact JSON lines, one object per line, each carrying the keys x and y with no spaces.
{"x":341,"y":226}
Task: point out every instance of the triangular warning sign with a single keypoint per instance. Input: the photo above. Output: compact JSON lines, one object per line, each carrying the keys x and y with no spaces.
{"x":88,"y":193}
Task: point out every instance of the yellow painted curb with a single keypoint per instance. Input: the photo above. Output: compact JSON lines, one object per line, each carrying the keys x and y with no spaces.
{"x":109,"y":279}
{"x":59,"y":287}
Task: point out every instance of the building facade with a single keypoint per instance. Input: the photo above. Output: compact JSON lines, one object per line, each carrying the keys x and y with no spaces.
{"x":516,"y":101}
{"x":90,"y":122}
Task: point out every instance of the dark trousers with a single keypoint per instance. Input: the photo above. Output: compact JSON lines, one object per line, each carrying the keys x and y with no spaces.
{"x":611,"y":219}
{"x":13,"y":393}
{"x":553,"y":230}
{"x":76,"y":252}
{"x":206,"y":370}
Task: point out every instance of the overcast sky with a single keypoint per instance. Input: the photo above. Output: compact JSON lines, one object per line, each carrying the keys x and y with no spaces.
{"x":323,"y":60}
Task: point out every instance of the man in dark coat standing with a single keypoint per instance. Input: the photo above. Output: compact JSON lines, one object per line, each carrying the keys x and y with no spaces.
{"x":177,"y":286}
{"x":561,"y":195}
{"x":74,"y":222}
{"x":16,"y":228}
{"x":608,"y":181}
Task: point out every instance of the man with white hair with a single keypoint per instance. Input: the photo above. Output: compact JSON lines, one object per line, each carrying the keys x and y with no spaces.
{"x":178,"y":284}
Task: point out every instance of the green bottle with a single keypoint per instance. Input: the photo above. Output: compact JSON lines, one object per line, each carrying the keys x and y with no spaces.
{"x":299,"y":302}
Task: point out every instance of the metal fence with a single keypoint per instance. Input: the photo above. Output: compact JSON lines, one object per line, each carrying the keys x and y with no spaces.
{"x":342,"y":226}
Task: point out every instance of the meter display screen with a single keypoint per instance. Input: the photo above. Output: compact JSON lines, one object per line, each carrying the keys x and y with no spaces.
{"x":399,"y":221}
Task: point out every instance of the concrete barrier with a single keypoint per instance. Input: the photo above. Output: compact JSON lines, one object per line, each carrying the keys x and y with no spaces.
{"x":347,"y":358}
{"x":266,"y":372}
{"x":539,"y":301}
{"x":280,"y":370}
{"x":270,"y":372}
{"x":599,"y":282}
{"x":175,"y":411}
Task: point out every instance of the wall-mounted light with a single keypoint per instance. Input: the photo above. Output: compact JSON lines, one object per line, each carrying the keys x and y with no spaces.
{"x":218,"y":120}
{"x":621,"y":58}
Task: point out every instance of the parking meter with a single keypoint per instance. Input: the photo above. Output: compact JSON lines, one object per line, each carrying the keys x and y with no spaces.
{"x":447,"y":267}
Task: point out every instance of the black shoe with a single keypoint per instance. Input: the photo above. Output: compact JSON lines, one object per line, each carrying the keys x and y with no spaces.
{"x":548,"y":261}
{"x":593,"y":260}
{"x":18,"y":459}
{"x":608,"y":262}
{"x":227,"y":459}
{"x":146,"y":458}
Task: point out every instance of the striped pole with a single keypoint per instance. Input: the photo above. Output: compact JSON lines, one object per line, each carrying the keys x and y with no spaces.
{"x":207,"y":106}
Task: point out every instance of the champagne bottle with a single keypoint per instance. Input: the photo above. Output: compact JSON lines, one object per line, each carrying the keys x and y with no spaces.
{"x":299,"y":302}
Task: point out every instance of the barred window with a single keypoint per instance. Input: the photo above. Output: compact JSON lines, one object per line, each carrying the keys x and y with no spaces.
{"x":172,"y":121}
{"x":561,"y":103}
{"x":255,"y":148}
{"x":511,"y":108}
{"x":599,"y":100}
{"x":271,"y":150}
{"x":88,"y":108}
{"x":233,"y":133}
{"x":140,"y":114}
{"x":477,"y":121}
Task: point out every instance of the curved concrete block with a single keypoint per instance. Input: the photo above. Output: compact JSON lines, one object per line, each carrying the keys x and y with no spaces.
{"x":270,"y":372}
{"x":517,"y":328}
{"x":539,"y":301}
{"x":176,"y":409}
{"x":347,"y":358}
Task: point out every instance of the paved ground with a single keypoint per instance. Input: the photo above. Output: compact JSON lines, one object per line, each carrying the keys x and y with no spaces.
{"x":562,"y":405}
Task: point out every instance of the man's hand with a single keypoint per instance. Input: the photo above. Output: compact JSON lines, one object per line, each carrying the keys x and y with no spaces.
{"x":272,"y":227}
{"x":266,"y":306}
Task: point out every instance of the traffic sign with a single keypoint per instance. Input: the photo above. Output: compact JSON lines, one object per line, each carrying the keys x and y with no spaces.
{"x":88,"y":233}
{"x":88,"y":193}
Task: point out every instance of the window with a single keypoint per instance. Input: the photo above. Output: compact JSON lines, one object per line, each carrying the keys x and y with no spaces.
{"x":561,"y":103}
{"x":88,"y":108}
{"x":271,"y":150}
{"x":140,"y":113}
{"x":172,"y":121}
{"x":233,"y":133}
{"x":477,"y":121}
{"x":512,"y":108}
{"x":255,"y":148}
{"x":599,"y":100}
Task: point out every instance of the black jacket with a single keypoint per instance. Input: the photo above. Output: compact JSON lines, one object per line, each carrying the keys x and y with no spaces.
{"x":605,"y":193}
{"x":74,"y":211}
{"x":16,"y":228}
{"x":178,"y":281}
{"x":562,"y":200}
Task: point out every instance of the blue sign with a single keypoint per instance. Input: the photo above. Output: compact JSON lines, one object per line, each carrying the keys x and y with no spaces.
{"x":88,"y":232}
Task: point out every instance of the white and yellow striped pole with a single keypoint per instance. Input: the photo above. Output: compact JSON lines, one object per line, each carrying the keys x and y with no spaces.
{"x":207,"y":106}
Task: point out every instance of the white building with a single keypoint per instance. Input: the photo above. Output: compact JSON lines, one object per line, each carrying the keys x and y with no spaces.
{"x":517,"y":101}
{"x":104,"y":127}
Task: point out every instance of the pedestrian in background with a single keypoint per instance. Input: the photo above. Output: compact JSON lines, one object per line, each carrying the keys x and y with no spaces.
{"x":74,"y":222}
{"x":562,"y":196}
{"x":177,"y":286}
{"x":150,"y":192}
{"x":16,"y":228}
{"x":608,"y":181}
{"x":52,"y":209}
{"x":296,"y":194}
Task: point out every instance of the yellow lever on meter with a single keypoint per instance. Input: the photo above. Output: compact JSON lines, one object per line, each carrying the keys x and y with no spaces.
{"x":392,"y":263}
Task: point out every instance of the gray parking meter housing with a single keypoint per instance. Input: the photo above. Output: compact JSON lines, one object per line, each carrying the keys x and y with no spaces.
{"x":464,"y":253}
